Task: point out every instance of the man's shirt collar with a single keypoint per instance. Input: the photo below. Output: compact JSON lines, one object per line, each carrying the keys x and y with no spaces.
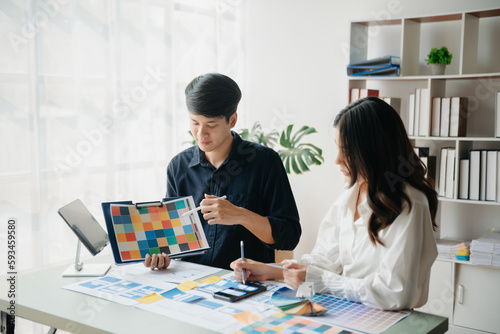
{"x":200,"y":159}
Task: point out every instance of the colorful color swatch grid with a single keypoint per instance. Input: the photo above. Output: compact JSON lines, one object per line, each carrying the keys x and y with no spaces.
{"x":284,"y":323}
{"x":157,"y":229}
{"x":339,"y":312}
{"x":356,"y":315}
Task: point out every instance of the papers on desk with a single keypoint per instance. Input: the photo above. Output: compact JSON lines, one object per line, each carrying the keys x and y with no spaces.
{"x":177,"y":272}
{"x":153,"y":291}
{"x":168,"y":299}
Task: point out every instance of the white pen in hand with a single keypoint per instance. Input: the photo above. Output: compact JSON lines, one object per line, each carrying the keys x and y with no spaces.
{"x":199,"y":208}
{"x":242,"y":260}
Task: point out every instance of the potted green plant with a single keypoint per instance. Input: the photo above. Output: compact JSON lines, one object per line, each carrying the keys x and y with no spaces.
{"x":437,"y":59}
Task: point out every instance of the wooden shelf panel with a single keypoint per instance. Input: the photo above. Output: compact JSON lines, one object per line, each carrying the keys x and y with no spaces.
{"x":379,"y":22}
{"x":486,"y":13}
{"x":438,"y":18}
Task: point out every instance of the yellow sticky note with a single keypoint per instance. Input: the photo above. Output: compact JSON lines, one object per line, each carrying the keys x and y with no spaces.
{"x":246,"y":317}
{"x":211,"y":279}
{"x":149,"y":299}
{"x":187,"y":285}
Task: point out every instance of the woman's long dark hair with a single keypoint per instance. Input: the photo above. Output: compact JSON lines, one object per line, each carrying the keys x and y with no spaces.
{"x":375,"y":145}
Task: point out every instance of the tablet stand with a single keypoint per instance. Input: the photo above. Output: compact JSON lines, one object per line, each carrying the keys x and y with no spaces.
{"x":89,"y":270}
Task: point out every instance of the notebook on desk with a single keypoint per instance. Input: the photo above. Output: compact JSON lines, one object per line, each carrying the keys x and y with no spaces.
{"x":153,"y":228}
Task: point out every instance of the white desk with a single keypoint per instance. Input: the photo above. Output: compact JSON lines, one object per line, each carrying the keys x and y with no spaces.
{"x":41,"y":299}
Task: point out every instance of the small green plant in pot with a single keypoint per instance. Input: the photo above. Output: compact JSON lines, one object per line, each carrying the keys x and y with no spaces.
{"x":438,"y":59}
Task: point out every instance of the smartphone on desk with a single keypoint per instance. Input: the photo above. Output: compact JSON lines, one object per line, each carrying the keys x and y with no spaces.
{"x":233,"y":294}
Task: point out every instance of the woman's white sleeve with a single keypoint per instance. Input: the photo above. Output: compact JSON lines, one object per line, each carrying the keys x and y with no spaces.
{"x":325,"y":254}
{"x":403,"y":268}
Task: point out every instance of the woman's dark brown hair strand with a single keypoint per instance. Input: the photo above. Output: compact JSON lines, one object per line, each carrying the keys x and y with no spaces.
{"x":375,"y":146}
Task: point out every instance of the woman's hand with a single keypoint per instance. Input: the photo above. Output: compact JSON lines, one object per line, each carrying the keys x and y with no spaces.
{"x":255,"y":271}
{"x":295,"y":274}
{"x":157,"y":261}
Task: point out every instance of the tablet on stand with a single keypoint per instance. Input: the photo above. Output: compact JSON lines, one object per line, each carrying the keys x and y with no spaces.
{"x":90,"y":233}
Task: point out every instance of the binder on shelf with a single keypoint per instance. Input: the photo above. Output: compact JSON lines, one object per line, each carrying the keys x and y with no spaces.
{"x":491,"y":175}
{"x":424,"y":126}
{"x":497,"y":114}
{"x":416,"y":122}
{"x":464,"y":179}
{"x":411,"y":114}
{"x":356,"y":70}
{"x":445,"y":117}
{"x":392,"y":71}
{"x":442,"y":171}
{"x":358,"y":93}
{"x":498,"y":178}
{"x":354,"y":95}
{"x":394,"y":102}
{"x":458,"y":116}
{"x":379,"y":61}
{"x":430,"y":165}
{"x":153,"y":227}
{"x":436,"y":116}
{"x":421,"y":151}
{"x":361,"y":70}
{"x":482,"y":186}
{"x":365,"y":92}
{"x":450,"y":173}
{"x":474,"y":174}
{"x":381,"y":66}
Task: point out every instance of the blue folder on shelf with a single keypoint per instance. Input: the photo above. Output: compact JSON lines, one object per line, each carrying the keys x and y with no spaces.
{"x":381,"y":66}
{"x":380,"y":61}
{"x":375,"y":71}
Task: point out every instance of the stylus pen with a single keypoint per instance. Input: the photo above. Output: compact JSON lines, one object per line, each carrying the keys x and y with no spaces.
{"x":275,"y":266}
{"x":242,"y":260}
{"x":198,"y":208}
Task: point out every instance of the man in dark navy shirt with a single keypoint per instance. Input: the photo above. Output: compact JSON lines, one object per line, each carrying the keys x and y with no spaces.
{"x":259,"y":209}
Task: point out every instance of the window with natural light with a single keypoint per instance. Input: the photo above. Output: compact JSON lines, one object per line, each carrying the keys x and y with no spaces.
{"x":92,"y":105}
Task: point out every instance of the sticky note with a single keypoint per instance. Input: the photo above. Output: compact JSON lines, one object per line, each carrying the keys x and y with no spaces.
{"x":187,"y":285}
{"x":211,"y":279}
{"x":149,"y":299}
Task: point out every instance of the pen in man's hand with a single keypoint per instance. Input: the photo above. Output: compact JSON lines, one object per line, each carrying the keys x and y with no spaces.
{"x":199,"y":208}
{"x":242,"y":260}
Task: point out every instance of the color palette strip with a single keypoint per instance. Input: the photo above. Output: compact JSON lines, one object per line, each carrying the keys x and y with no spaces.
{"x":284,"y":323}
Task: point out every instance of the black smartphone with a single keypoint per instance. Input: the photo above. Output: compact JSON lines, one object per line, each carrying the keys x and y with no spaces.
{"x":233,"y":294}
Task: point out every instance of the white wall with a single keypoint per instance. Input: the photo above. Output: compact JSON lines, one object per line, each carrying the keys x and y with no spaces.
{"x":296,"y":55}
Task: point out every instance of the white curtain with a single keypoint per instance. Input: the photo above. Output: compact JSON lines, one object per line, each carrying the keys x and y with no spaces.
{"x":92,"y":105}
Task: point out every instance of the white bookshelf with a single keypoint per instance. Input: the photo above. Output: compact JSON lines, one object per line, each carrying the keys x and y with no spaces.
{"x":473,"y":39}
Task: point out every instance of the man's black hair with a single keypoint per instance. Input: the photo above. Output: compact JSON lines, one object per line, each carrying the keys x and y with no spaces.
{"x":213,"y":95}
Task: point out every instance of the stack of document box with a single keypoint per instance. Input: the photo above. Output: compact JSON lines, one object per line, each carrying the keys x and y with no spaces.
{"x":486,"y":250}
{"x":381,"y":66}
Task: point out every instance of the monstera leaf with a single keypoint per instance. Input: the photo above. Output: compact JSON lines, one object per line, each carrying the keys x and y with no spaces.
{"x":296,"y":156}
{"x":256,"y":135}
{"x":299,"y":156}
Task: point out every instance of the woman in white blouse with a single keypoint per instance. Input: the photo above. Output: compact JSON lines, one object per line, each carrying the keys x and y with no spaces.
{"x":376,"y":244}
